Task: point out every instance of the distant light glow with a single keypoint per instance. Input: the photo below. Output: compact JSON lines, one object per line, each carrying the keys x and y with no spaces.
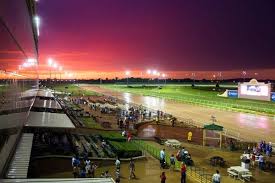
{"x":55,"y":65}
{"x":60,"y":68}
{"x":30,"y":62}
{"x":149,"y":71}
{"x":127,"y":73}
{"x":163,"y":75}
{"x":155,"y":72}
{"x":50,"y":61}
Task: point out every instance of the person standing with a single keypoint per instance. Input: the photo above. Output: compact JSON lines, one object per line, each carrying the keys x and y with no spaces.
{"x":261,"y":161}
{"x":162,"y":158}
{"x":117,"y":176}
{"x":76,"y":172}
{"x":93,"y":168}
{"x":253,"y":159}
{"x":172,"y":162}
{"x":117,"y":163}
{"x":88,"y":166}
{"x":183,"y":173}
{"x":216,"y":177}
{"x":162,"y":177}
{"x":132,"y":169}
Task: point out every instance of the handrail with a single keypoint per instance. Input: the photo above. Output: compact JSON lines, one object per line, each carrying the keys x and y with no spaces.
{"x":197,"y":173}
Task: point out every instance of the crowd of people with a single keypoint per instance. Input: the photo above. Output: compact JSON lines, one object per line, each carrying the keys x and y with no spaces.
{"x":182,"y":155}
{"x":84,"y":168}
{"x":258,"y":152}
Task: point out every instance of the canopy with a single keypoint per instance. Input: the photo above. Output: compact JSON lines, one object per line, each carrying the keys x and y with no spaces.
{"x":213,"y":126}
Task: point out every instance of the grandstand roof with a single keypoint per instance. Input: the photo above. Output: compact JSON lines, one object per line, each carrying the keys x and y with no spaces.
{"x":51,"y":104}
{"x":44,"y":93}
{"x":213,"y":126}
{"x":46,"y":119}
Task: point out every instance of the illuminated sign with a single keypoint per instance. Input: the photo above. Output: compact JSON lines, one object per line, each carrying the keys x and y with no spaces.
{"x":232,"y":93}
{"x":273,"y":96}
{"x":254,"y":90}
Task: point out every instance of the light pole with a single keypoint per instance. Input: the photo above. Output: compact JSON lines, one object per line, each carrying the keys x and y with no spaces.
{"x":127,"y":73}
{"x":50,"y":63}
{"x":60,"y":68}
{"x":55,"y":67}
{"x":193,"y":75}
{"x":154,"y":72}
{"x":158,"y":74}
{"x":149,"y":72}
{"x":244,"y":73}
{"x":164,"y":77}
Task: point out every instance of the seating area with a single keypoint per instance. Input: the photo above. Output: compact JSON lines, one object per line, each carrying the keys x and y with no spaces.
{"x":48,"y":143}
{"x":51,"y":143}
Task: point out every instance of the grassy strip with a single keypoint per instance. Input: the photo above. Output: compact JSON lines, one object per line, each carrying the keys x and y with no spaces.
{"x":125,"y":149}
{"x":73,"y":89}
{"x":90,"y":123}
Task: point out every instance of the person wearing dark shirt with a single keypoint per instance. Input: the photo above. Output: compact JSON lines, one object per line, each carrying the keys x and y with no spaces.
{"x":162,"y":177}
{"x":183,"y":173}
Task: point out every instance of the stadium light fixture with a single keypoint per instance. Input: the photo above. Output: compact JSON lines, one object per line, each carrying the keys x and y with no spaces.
{"x":50,"y":62}
{"x":127,"y":73}
{"x":37,"y":23}
{"x":55,"y":65}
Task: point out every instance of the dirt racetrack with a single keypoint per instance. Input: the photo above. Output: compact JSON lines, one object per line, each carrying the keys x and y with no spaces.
{"x":248,"y":126}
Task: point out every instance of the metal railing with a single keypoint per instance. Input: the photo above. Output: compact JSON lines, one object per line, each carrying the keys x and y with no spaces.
{"x":197,"y":173}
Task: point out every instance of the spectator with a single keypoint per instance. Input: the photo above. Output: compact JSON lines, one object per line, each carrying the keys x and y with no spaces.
{"x":183,"y":172}
{"x":75,"y":172}
{"x":117,"y":177}
{"x":88,"y":166}
{"x":178,"y":156}
{"x":253,"y":159}
{"x":93,"y":168}
{"x":172,"y":162}
{"x":182,"y":153}
{"x":117,"y":163}
{"x":83,"y":173}
{"x":105,"y":174}
{"x":73,"y":161}
{"x":216,"y":177}
{"x":261,"y":161}
{"x":162,"y":177}
{"x":76,"y":161}
{"x":103,"y":144}
{"x":132,"y":169}
{"x":162,"y":158}
{"x":129,"y":136}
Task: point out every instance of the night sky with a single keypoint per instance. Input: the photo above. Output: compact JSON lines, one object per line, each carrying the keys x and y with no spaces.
{"x":174,"y":35}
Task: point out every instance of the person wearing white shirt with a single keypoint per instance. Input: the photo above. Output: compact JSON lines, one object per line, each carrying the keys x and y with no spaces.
{"x":117,"y":163}
{"x":162,"y":158}
{"x":216,"y":177}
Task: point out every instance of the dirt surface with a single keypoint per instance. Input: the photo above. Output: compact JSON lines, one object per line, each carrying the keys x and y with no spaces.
{"x":201,"y":156}
{"x":248,"y":126}
{"x":147,"y":171}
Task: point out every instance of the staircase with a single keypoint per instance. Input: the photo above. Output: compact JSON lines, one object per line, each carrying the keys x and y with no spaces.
{"x":20,"y":162}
